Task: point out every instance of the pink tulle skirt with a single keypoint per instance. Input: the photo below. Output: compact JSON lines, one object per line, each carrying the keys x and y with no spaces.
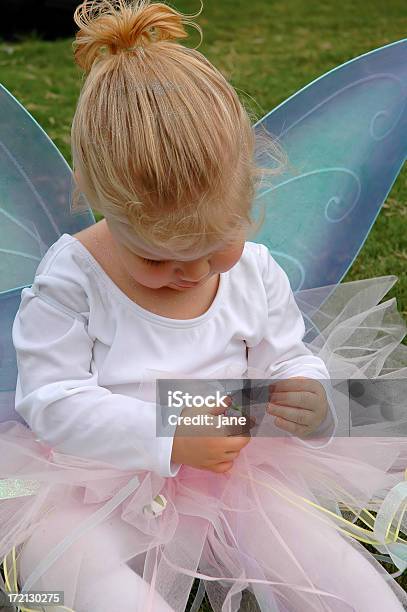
{"x":281,"y":523}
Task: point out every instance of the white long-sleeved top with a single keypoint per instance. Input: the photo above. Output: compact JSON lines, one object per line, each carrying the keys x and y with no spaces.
{"x":84,"y":349}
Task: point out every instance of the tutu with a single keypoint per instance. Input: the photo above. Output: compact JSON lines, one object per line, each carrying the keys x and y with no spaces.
{"x":281,"y":522}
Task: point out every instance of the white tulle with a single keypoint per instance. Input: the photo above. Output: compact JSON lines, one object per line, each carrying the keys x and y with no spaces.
{"x":249,"y":528}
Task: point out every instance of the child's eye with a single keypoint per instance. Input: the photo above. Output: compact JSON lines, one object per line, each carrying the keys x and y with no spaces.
{"x":153,"y":262}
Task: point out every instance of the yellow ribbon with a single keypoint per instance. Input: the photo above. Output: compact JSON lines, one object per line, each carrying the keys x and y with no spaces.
{"x":365,"y":516}
{"x":363,"y":511}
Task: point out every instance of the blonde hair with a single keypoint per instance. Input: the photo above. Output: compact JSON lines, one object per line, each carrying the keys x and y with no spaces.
{"x":160,"y":138}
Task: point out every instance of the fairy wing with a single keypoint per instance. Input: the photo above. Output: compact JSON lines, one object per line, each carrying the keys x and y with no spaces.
{"x":346,"y":139}
{"x":345,"y":135}
{"x":36,"y":186}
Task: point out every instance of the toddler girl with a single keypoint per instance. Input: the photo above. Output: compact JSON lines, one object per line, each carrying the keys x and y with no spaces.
{"x":168,"y":286}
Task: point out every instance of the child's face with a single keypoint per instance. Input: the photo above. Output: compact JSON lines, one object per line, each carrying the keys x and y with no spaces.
{"x":157,"y":272}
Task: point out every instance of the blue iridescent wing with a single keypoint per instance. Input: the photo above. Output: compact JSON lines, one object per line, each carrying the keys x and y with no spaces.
{"x":36,"y":186}
{"x":345,"y":135}
{"x":346,"y":139}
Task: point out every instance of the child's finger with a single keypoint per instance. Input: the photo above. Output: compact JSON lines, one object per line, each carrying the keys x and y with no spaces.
{"x":295,"y":399}
{"x":217,"y":410}
{"x":295,"y":383}
{"x":289,"y":426}
{"x":235,"y":443}
{"x":238,"y":429}
{"x":300,"y":416}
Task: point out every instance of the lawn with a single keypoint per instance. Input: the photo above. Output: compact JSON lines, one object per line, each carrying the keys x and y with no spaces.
{"x":268,"y":50}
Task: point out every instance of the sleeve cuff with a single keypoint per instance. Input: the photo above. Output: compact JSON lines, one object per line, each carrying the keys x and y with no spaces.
{"x":168,"y":468}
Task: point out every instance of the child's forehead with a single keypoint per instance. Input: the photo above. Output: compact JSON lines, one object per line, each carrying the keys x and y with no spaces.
{"x":160,"y":255}
{"x":167,"y":255}
{"x":136,"y":245}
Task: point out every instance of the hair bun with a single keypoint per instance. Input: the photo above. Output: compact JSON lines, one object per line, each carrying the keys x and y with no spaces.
{"x":119,"y":25}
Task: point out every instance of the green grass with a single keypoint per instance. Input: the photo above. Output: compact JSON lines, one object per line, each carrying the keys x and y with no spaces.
{"x":268,"y":49}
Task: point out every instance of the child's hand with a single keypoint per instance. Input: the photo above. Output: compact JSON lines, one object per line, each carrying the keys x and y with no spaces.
{"x":299,"y":403}
{"x":212,"y":447}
